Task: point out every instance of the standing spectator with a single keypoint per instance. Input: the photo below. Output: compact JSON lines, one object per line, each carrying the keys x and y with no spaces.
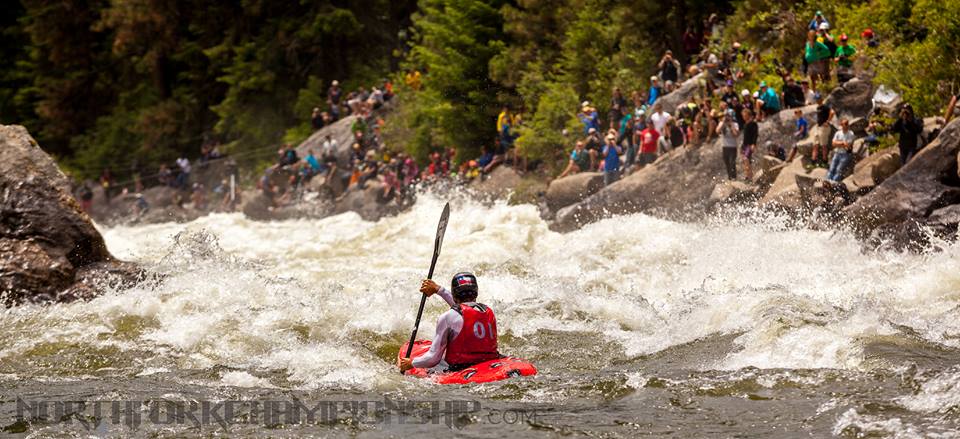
{"x":611,"y":160}
{"x":818,"y":20}
{"x":844,"y":59}
{"x":669,"y":68}
{"x":809,"y":96}
{"x":86,"y":197}
{"x":588,"y":116}
{"x":659,"y":118}
{"x":677,"y":138}
{"x":691,"y":42}
{"x":184,"y":176}
{"x":816,"y":55}
{"x":334,"y":93}
{"x":821,"y":143}
{"x":412,"y":79}
{"x":316,"y":119}
{"x":728,"y":130}
{"x":869,"y":38}
{"x":655,"y":90}
{"x":663,"y":143}
{"x":842,"y":145}
{"x":649,"y":138}
{"x":503,"y":119}
{"x":618,"y":106}
{"x":751,"y":132}
{"x":909,"y":129}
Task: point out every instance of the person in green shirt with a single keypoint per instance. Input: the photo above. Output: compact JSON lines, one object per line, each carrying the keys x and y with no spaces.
{"x":844,"y":60}
{"x":816,"y":54}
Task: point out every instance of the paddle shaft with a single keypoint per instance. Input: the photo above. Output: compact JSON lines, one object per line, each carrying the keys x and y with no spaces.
{"x":441,"y":229}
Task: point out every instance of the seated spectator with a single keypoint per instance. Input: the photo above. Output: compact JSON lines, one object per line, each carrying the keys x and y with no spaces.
{"x":410,"y":171}
{"x":328,"y":151}
{"x":368,"y":170}
{"x":769,"y":103}
{"x":664,"y":145}
{"x":677,"y":138}
{"x":579,"y":161}
{"x":314,"y":167}
{"x":792,"y":93}
{"x":499,"y":156}
{"x":486,"y":156}
{"x":165,"y":176}
{"x":809,"y":96}
{"x":775,"y":150}
{"x":843,"y":147}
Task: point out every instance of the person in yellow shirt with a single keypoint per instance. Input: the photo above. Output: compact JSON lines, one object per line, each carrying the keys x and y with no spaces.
{"x":413,"y":79}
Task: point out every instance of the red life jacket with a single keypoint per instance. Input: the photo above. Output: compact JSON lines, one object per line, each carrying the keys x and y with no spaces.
{"x":477,"y":340}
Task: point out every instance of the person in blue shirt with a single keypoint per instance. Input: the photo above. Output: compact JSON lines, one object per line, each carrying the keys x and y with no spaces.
{"x":817,"y":21}
{"x":803,"y":128}
{"x":588,"y":116}
{"x":611,"y":160}
{"x":315,"y":166}
{"x":655,"y":90}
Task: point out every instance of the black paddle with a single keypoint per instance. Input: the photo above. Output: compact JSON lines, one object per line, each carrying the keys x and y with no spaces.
{"x":441,"y":229}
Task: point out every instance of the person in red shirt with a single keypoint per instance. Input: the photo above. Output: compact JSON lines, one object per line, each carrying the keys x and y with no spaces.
{"x":648,"y":145}
{"x":466,"y":334}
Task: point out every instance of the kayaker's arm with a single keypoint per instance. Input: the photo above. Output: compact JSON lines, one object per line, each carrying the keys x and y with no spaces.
{"x":430,"y":288}
{"x":448,"y":327}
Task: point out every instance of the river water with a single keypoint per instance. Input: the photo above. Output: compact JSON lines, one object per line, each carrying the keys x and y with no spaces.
{"x":639,"y":326}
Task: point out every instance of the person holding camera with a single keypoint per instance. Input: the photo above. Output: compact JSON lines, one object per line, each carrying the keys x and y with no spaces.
{"x":729,"y":130}
{"x":909,"y":127}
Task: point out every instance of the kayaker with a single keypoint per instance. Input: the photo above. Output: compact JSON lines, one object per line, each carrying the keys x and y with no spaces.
{"x":458,"y":348}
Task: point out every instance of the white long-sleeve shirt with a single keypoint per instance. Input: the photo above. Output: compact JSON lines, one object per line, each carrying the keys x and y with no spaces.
{"x":448,"y":327}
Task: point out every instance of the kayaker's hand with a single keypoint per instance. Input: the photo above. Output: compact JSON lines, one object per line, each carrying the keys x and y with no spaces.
{"x":429,"y":287}
{"x":404,"y":364}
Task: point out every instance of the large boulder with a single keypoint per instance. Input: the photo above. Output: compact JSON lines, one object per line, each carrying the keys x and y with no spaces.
{"x":873,"y":170}
{"x":733,"y":192}
{"x":928,"y":182}
{"x":371,"y":202}
{"x":49,"y":248}
{"x":498,"y":183}
{"x":780,"y":127}
{"x":851,"y":100}
{"x":340,"y":131}
{"x":786,"y":191}
{"x":679,"y":183}
{"x":563,"y":192}
{"x":684,"y":93}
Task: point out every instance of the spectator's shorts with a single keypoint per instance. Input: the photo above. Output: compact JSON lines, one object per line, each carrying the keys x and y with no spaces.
{"x":824,"y":134}
{"x":818,"y":69}
{"x":746,"y":151}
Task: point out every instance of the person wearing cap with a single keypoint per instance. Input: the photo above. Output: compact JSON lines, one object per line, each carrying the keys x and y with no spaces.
{"x":817,"y":21}
{"x":729,"y":94}
{"x":769,"y":102}
{"x":728,"y":130}
{"x":843,"y":147}
{"x":816,"y":54}
{"x":844,"y":59}
{"x":334,"y":92}
{"x":589,"y":117}
{"x":593,"y":145}
{"x":655,"y":90}
{"x":611,"y":160}
{"x":869,"y":38}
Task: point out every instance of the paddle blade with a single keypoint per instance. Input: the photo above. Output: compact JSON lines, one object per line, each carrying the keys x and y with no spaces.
{"x":441,"y":230}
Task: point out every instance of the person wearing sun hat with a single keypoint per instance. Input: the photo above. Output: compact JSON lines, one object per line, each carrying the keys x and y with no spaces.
{"x":844,"y":59}
{"x":818,"y":20}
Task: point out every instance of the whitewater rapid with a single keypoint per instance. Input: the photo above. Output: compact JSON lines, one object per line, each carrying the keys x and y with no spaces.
{"x":324,"y":304}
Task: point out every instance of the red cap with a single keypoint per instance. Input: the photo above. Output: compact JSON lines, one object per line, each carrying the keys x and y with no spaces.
{"x":867,"y":33}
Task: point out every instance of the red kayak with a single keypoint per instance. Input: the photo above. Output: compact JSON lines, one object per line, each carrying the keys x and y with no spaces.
{"x":486,"y":372}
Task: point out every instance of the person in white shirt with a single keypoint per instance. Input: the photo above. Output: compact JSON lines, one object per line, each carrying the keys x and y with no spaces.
{"x":659,"y":118}
{"x":842,"y":154}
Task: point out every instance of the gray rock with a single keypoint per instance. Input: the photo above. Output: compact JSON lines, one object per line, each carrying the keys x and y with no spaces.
{"x":684,"y":93}
{"x":46,"y":241}
{"x":734,"y":192}
{"x":925,"y":184}
{"x":853,"y":99}
{"x":370,"y":202}
{"x":563,"y":192}
{"x":498,"y":184}
{"x":873,"y":170}
{"x":677,"y":184}
{"x":785,"y":192}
